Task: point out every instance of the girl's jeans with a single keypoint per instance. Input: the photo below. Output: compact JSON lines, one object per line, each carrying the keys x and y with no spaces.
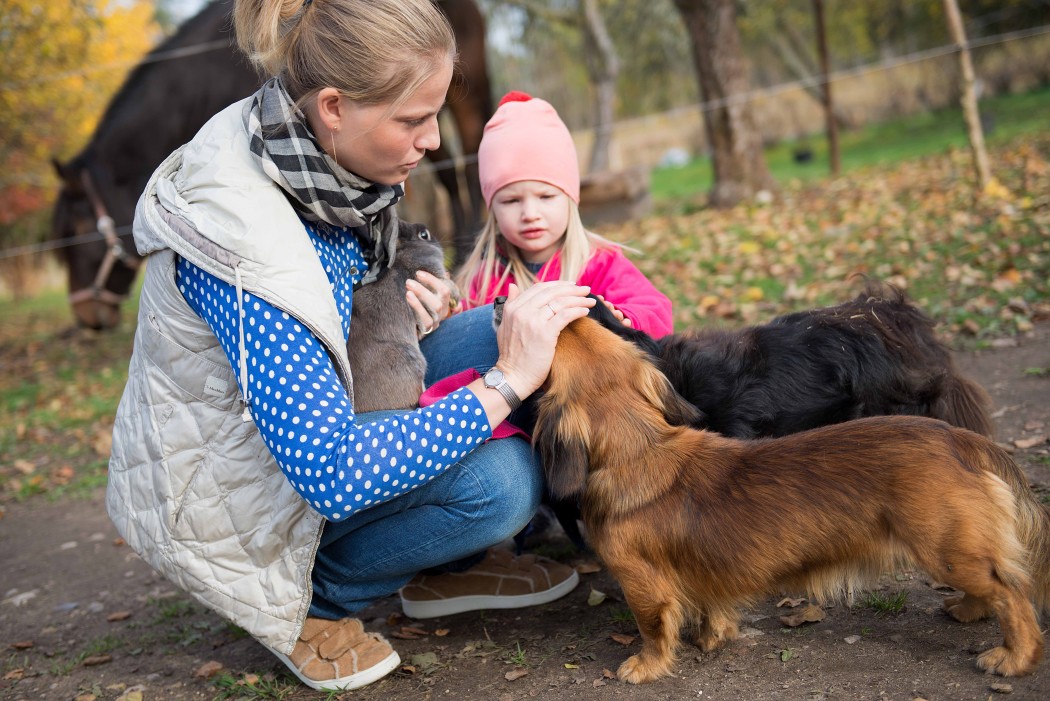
{"x":484,"y":499}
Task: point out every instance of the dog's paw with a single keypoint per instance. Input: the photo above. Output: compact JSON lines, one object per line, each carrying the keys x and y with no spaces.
{"x":635,"y":670}
{"x":1005,"y":662}
{"x":966,"y":608}
{"x":709,"y":640}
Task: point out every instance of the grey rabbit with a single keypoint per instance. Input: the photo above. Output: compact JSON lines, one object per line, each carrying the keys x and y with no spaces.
{"x":383,"y":346}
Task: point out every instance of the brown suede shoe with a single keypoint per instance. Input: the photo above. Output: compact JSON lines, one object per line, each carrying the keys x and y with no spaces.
{"x":339,"y":655}
{"x":500,"y":581}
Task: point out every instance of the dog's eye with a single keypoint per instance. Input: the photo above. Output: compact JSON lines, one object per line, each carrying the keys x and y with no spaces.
{"x":424,"y":234}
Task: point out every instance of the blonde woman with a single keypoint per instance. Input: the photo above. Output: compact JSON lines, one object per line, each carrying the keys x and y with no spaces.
{"x":239,"y":468}
{"x":531,"y":183}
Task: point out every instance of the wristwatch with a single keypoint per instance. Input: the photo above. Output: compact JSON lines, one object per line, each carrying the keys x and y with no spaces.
{"x":494,"y":379}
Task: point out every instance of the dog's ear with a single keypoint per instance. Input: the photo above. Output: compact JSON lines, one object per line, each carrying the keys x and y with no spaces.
{"x":563,"y":452}
{"x":656,"y":388}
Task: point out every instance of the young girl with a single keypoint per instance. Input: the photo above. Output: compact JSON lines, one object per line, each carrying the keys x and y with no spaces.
{"x":531,"y":183}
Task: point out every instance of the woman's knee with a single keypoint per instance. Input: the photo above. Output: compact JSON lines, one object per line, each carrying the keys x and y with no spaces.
{"x":509,"y":473}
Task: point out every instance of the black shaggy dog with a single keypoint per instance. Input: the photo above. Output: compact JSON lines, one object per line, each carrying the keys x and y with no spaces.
{"x":875,"y":355}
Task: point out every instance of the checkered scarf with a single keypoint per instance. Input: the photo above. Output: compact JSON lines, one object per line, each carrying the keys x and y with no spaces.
{"x":318,"y":187}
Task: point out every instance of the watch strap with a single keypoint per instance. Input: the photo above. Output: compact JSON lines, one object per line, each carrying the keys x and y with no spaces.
{"x":509,"y":394}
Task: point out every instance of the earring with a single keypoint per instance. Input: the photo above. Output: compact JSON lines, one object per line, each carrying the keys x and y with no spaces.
{"x":332,"y":134}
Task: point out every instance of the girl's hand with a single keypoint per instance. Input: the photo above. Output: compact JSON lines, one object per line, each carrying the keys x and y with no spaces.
{"x":431,"y":299}
{"x":529,"y":331}
{"x":616,"y":312}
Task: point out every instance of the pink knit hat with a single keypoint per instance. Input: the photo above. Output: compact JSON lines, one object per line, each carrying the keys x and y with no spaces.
{"x":526,"y":140}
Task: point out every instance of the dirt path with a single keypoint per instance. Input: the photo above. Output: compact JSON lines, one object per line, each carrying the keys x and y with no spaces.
{"x":82,"y":617}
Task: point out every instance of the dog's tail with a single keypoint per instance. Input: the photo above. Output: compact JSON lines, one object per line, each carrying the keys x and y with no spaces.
{"x":1033,"y":519}
{"x":964,"y":403}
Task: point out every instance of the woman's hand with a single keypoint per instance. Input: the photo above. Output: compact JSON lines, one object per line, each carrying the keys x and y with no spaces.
{"x":431,"y":299}
{"x":529,"y":331}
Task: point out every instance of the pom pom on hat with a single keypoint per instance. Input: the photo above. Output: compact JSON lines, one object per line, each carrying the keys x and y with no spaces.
{"x":514,"y":96}
{"x":526,"y":140}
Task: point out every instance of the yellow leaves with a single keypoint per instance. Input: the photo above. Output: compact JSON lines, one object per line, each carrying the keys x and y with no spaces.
{"x":754,"y":294}
{"x":60,"y":63}
{"x":917,"y":224}
{"x":995,"y":189}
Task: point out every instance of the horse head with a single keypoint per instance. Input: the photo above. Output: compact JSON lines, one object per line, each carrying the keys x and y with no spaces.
{"x":100,"y":259}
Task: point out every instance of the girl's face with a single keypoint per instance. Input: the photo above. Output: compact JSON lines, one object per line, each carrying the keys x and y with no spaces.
{"x":533,"y":216}
{"x":384,"y":146}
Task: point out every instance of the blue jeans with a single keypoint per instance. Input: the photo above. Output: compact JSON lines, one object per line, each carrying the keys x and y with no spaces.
{"x":485,"y":498}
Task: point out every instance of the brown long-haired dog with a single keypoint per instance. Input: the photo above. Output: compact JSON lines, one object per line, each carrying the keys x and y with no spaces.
{"x":694,"y":525}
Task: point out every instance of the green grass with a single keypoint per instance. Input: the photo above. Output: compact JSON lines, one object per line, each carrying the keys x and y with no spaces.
{"x":254,"y":686}
{"x":875,"y":144}
{"x":883,"y":604}
{"x":517,"y":656}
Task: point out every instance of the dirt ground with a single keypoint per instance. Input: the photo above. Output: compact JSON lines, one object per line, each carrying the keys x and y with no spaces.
{"x":81,"y":617}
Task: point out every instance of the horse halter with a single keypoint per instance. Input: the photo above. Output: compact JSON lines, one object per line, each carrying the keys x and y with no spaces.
{"x":114,"y":251}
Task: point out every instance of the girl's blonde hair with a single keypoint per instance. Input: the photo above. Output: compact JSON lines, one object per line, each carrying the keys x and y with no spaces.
{"x":372,"y":51}
{"x":494,"y":259}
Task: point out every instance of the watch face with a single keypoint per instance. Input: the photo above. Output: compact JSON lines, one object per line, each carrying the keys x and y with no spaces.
{"x":493,"y":377}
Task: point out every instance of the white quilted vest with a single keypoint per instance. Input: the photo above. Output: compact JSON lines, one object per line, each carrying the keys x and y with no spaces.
{"x":192,"y":487}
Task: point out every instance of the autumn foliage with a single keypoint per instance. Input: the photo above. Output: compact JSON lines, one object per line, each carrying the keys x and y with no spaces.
{"x":60,"y":63}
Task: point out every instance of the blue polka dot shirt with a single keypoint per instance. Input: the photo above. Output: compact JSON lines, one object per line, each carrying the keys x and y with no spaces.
{"x":302,"y":410}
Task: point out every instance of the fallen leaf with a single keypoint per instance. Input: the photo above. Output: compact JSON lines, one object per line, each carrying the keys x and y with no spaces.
{"x":404,"y":634}
{"x":608,"y":674}
{"x":850,"y":639}
{"x":1002,"y":688}
{"x":24,"y":466}
{"x":516,"y":673}
{"x":789,"y":602}
{"x":441,"y":632}
{"x":132,"y":694}
{"x":208,"y":669}
{"x":95,"y":660}
{"x":425,"y":660}
{"x":595,"y":597}
{"x":597,"y":682}
{"x":570,"y":665}
{"x":118,"y":616}
{"x":22,"y":645}
{"x":395,"y":619}
{"x":117,"y":542}
{"x":85,"y":697}
{"x":413,"y":629}
{"x":624,"y":640}
{"x":15,"y":674}
{"x":22,"y":598}
{"x":250,"y":679}
{"x":811,"y":614}
{"x":588,"y":567}
{"x":408,"y":669}
{"x":1026,"y":443}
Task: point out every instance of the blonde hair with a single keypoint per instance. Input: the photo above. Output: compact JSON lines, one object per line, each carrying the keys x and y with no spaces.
{"x":372,"y":51}
{"x":494,"y":260}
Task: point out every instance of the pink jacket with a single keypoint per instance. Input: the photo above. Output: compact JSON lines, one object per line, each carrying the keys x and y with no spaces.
{"x":608,"y":273}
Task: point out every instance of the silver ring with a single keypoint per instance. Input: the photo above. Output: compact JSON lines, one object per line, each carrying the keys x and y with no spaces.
{"x":554,"y":312}
{"x":427,"y":332}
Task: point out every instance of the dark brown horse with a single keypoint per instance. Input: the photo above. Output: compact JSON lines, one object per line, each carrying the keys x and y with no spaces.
{"x":165,"y":101}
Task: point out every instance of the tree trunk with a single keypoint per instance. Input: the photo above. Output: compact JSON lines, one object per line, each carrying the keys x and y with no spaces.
{"x":969,"y":95}
{"x":831,"y":124}
{"x":604,"y":69}
{"x":740,"y":169}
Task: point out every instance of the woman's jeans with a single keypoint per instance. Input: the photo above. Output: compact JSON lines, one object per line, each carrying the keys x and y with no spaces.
{"x":482,"y":500}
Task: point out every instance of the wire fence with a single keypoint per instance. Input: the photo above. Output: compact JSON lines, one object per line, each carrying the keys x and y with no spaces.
{"x":462,"y":160}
